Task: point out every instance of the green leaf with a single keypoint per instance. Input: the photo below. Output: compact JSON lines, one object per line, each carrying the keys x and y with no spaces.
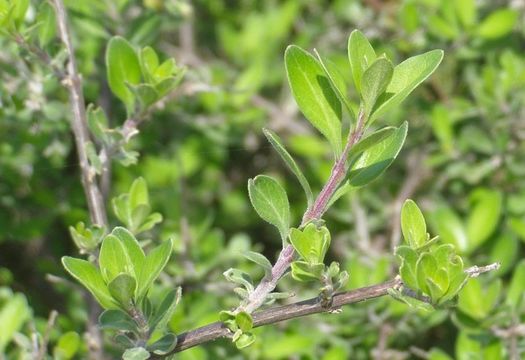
{"x":149,"y":62}
{"x":314,"y":95}
{"x":483,"y":217}
{"x":67,"y":346}
{"x":374,"y":161}
{"x":163,"y":345}
{"x":239,"y":277}
{"x":407,"y":76}
{"x":369,"y":141}
{"x":290,"y":162}
{"x":426,"y":267}
{"x":361,"y":55}
{"x":244,"y":321}
{"x":311,"y":243}
{"x":46,"y":21}
{"x":270,"y":201}
{"x":13,"y":314}
{"x":516,"y":290}
{"x":245,"y":340}
{"x":123,"y":68}
{"x":137,"y":353}
{"x":413,"y":224}
{"x":337,"y":82}
{"x":498,"y":24}
{"x":117,"y":320}
{"x":134,"y":251}
{"x":88,"y":275}
{"x":477,"y":301}
{"x":150,"y":222}
{"x":138,"y":193}
{"x":407,"y":270}
{"x":122,"y":288}
{"x":113,"y":259}
{"x":466,"y":12}
{"x":166,"y":309}
{"x":375,"y":81}
{"x":259,"y":259}
{"x":155,"y":261}
{"x":450,"y":228}
{"x":303,"y":271}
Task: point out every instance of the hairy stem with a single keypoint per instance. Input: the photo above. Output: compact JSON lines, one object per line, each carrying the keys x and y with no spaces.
{"x":316,"y":211}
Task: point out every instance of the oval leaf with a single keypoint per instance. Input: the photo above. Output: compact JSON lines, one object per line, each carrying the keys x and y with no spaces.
{"x":413,"y":225}
{"x":270,"y":201}
{"x":374,"y":161}
{"x":123,"y":68}
{"x":406,"y":77}
{"x":361,"y":55}
{"x":314,"y":95}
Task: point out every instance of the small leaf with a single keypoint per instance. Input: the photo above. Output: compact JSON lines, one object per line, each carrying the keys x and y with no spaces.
{"x":498,"y":24}
{"x":13,"y":314}
{"x":369,"y":141}
{"x":149,"y":61}
{"x":374,"y":161}
{"x":375,"y":81}
{"x":138,"y":193}
{"x":407,"y":76}
{"x":244,"y":321}
{"x":239,"y":277}
{"x":150,"y":222}
{"x":67,"y":346}
{"x":113,"y":259}
{"x":46,"y":21}
{"x":290,"y":162}
{"x":314,"y":95}
{"x":311,"y":243}
{"x":516,"y":290}
{"x":166,"y":309}
{"x":89,"y":276}
{"x":336,"y":81}
{"x":407,"y":270}
{"x":137,"y":353}
{"x":122,"y":288}
{"x":132,"y":246}
{"x":270,"y":201}
{"x":450,"y":228}
{"x":426,"y":266}
{"x":123,"y":68}
{"x":117,"y":320}
{"x":303,"y":271}
{"x":413,"y":224}
{"x":259,"y":259}
{"x":361,"y":55}
{"x":245,"y":340}
{"x":155,"y":261}
{"x":163,"y":345}
{"x":483,"y":217}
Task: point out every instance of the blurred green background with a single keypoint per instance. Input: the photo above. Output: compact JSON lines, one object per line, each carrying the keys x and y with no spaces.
{"x":463,"y":162}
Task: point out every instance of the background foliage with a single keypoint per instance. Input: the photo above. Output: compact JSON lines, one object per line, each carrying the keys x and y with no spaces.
{"x":462,"y":162}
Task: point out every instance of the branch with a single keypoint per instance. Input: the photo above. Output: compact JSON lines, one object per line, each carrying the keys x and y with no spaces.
{"x":72,"y":81}
{"x":311,"y":306}
{"x":287,"y":255}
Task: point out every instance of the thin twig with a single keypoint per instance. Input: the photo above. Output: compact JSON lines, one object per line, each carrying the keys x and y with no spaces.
{"x":97,"y":210}
{"x":72,"y":81}
{"x":278,"y":314}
